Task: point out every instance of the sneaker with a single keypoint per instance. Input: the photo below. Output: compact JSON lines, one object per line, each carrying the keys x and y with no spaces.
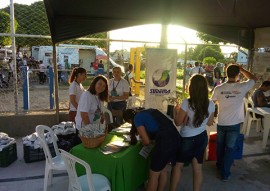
{"x":225,"y":179}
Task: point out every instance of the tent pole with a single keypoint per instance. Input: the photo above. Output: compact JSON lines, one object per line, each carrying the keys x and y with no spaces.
{"x":185,"y":72}
{"x":12,"y":30}
{"x":56,"y":97}
{"x":250,"y":59}
{"x":108,"y":55}
{"x":164,"y":36}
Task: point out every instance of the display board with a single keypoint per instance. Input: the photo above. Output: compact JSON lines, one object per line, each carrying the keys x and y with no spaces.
{"x":261,"y":66}
{"x":160,"y":77}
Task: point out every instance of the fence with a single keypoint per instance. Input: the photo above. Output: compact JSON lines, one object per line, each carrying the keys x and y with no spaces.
{"x":33,"y":95}
{"x":21,"y":90}
{"x":30,"y":39}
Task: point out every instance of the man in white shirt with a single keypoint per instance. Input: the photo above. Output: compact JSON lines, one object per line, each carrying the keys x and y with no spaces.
{"x":42,"y":76}
{"x":229,"y":97}
{"x":197,"y":69}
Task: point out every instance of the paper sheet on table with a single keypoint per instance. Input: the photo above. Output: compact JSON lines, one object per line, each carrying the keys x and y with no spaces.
{"x":128,"y":139}
{"x":113,"y":147}
{"x":146,"y":150}
{"x":126,"y":125}
{"x":122,"y":130}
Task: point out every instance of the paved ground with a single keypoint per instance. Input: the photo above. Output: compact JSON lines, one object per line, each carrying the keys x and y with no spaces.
{"x":249,"y":174}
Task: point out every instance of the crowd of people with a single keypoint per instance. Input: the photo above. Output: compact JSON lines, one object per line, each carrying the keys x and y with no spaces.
{"x":36,"y":68}
{"x":193,"y":115}
{"x":214,"y":73}
{"x":97,"y":67}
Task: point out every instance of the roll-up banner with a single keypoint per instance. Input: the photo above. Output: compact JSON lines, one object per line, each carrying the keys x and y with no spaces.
{"x":160,"y":77}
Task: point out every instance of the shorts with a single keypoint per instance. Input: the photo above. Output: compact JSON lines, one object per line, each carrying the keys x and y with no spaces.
{"x":166,"y":150}
{"x":193,"y":147}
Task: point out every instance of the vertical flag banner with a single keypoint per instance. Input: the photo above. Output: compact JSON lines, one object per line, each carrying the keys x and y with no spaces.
{"x":160,"y":77}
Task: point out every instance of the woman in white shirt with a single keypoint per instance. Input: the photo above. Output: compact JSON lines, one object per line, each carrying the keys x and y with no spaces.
{"x":193,"y":115}
{"x":76,"y":89}
{"x":118,"y":93}
{"x":91,"y":105}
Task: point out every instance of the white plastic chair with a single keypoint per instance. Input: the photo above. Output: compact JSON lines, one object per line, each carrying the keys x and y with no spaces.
{"x":87,"y":182}
{"x":250,"y":117}
{"x":134,"y":101}
{"x":52,"y":163}
{"x":108,"y":116}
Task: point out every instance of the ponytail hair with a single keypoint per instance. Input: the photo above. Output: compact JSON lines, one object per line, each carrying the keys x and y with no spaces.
{"x":75,"y":72}
{"x":128,"y":115}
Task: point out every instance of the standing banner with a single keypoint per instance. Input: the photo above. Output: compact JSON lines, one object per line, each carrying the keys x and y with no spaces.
{"x":261,"y":67}
{"x":160,"y":77}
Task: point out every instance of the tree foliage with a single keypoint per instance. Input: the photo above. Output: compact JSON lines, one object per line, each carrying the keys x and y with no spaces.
{"x":190,"y":53}
{"x":99,"y":43}
{"x":209,"y":60}
{"x":207,"y":38}
{"x":197,"y":51}
{"x":201,"y":51}
{"x":32,"y":20}
{"x":210,"y":51}
{"x":5,"y":27}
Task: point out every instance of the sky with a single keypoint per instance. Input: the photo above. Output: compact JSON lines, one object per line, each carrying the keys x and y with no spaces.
{"x":176,"y":34}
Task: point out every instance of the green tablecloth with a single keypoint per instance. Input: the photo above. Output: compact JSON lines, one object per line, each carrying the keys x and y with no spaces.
{"x":126,"y":170}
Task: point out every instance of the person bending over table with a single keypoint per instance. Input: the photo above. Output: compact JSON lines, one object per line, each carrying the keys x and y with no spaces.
{"x":258,"y":97}
{"x":91,"y":104}
{"x":194,"y":114}
{"x":151,"y":124}
{"x":118,"y":94}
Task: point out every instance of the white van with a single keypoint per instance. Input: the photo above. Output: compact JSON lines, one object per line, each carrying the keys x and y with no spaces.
{"x":69,"y":55}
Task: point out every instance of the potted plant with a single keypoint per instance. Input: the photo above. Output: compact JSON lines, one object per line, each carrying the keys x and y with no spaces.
{"x":173,"y":99}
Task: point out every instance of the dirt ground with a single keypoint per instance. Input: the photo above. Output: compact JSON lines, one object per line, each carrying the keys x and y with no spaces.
{"x":39,"y":99}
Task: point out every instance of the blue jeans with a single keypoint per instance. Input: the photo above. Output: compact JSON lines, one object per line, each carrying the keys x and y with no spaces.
{"x":226,"y":140}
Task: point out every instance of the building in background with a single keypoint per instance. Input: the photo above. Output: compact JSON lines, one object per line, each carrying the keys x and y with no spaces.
{"x":242,"y":57}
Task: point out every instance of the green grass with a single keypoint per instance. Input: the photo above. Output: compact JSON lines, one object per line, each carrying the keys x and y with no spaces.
{"x":88,"y":81}
{"x":142,"y":74}
{"x":179,"y":74}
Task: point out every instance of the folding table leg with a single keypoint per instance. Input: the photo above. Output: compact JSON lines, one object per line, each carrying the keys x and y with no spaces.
{"x":266,"y":123}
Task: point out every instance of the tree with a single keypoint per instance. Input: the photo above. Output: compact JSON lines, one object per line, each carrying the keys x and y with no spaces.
{"x":33,"y":20}
{"x":190,"y":53}
{"x":197,"y":51}
{"x":210,"y":39}
{"x":210,"y":51}
{"x":98,"y":43}
{"x":5,"y":28}
{"x":209,"y":60}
